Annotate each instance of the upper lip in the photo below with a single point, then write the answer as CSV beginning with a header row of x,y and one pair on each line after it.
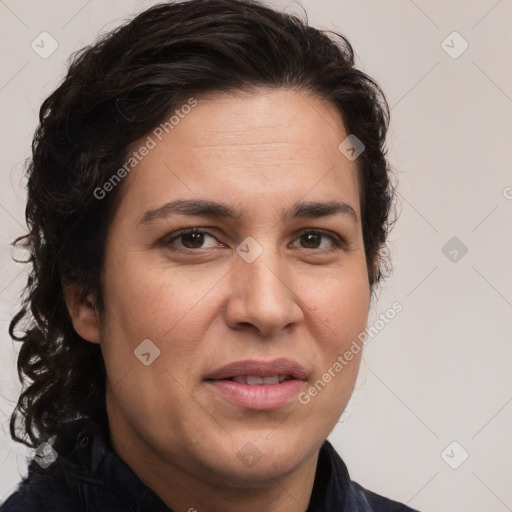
x,y
259,368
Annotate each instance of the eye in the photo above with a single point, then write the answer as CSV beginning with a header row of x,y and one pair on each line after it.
x,y
312,239
197,239
191,238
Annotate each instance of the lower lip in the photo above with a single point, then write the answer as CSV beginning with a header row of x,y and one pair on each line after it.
x,y
259,397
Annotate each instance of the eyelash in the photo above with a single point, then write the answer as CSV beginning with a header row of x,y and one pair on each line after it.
x,y
337,242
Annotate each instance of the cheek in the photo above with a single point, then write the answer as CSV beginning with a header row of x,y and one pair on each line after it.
x,y
153,298
172,307
339,315
341,304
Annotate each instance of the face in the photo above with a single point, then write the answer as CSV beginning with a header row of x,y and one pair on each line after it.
x,y
271,282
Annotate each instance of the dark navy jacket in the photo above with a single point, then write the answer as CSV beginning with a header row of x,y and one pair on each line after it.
x,y
88,476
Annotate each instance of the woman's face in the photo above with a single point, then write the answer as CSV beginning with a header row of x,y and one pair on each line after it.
x,y
274,283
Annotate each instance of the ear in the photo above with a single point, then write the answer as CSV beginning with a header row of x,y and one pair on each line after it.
x,y
82,311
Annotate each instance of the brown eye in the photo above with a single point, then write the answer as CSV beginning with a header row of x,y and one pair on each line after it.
x,y
318,240
311,241
190,239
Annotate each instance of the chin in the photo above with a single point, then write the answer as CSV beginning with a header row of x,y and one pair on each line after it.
x,y
263,473
257,459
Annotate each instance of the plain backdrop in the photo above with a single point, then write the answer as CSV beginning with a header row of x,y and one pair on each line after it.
x,y
435,384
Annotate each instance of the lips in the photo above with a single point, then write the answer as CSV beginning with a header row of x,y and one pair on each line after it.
x,y
258,385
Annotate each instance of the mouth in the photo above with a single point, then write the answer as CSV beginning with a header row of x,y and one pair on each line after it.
x,y
256,380
280,369
258,385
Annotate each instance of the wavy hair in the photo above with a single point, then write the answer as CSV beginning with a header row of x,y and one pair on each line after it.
x,y
117,91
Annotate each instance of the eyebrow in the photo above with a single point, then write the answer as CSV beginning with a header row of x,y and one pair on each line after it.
x,y
204,208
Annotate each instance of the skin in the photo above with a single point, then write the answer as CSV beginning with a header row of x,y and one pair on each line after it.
x,y
204,306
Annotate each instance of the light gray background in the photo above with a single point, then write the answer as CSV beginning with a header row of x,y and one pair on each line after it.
x,y
441,370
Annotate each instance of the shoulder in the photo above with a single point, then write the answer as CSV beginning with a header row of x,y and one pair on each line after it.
x,y
378,503
62,483
82,474
44,490
36,494
335,488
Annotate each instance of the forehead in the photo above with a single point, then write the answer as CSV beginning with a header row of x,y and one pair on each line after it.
x,y
257,149
283,122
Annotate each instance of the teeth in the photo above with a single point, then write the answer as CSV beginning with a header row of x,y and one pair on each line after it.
x,y
253,380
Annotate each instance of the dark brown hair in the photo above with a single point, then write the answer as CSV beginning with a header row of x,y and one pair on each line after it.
x,y
117,91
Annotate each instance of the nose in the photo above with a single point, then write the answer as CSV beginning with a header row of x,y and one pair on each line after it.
x,y
262,297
